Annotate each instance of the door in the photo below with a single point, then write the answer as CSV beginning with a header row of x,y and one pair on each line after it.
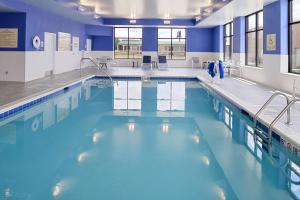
x,y
49,50
75,44
88,45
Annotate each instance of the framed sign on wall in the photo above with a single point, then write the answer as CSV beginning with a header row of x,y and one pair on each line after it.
x,y
8,38
64,41
271,42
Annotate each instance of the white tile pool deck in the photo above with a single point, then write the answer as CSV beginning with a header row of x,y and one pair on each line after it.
x,y
247,95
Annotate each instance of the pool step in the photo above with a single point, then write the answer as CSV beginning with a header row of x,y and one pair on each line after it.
x,y
261,134
146,79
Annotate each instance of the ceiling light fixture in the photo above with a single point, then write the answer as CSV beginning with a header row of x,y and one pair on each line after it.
x,y
81,8
167,22
96,16
132,21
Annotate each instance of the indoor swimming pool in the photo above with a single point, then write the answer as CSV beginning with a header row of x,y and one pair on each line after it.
x,y
160,139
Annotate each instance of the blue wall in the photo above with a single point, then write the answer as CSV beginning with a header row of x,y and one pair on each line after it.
x,y
14,20
99,30
199,40
39,21
217,42
276,21
102,43
239,31
150,39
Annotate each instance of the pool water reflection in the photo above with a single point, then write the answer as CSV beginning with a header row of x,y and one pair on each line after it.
x,y
161,140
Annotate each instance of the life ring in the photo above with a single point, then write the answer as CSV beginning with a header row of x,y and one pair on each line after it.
x,y
35,125
36,42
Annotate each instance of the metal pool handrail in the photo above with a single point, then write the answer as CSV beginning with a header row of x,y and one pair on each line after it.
x,y
97,65
268,102
281,167
286,109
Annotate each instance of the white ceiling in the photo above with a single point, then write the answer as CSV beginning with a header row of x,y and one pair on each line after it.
x,y
234,9
151,9
148,8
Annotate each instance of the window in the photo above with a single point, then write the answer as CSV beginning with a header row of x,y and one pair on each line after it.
x,y
254,39
228,41
128,42
294,36
172,43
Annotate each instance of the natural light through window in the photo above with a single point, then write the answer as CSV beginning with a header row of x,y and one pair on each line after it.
x,y
128,43
172,43
294,36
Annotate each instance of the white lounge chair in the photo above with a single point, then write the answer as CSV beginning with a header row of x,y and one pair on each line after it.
x,y
196,62
231,65
162,63
147,64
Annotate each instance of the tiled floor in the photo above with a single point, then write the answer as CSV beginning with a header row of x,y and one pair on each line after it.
x,y
248,95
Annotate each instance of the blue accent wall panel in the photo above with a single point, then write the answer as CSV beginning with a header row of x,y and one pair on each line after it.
x,y
150,39
199,39
15,20
218,39
39,21
239,31
102,43
99,30
276,22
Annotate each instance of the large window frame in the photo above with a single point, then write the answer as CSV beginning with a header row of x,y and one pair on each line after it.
x,y
171,38
257,30
291,25
128,38
226,36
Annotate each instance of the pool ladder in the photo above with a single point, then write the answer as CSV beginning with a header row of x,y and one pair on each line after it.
x,y
97,65
286,109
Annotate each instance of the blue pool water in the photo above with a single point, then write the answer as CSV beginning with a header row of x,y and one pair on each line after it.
x,y
167,139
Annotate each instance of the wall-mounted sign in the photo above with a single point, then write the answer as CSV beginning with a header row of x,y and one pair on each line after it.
x,y
271,42
64,41
8,38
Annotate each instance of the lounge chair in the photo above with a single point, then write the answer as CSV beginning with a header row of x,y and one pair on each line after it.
x,y
196,62
147,65
233,66
162,63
